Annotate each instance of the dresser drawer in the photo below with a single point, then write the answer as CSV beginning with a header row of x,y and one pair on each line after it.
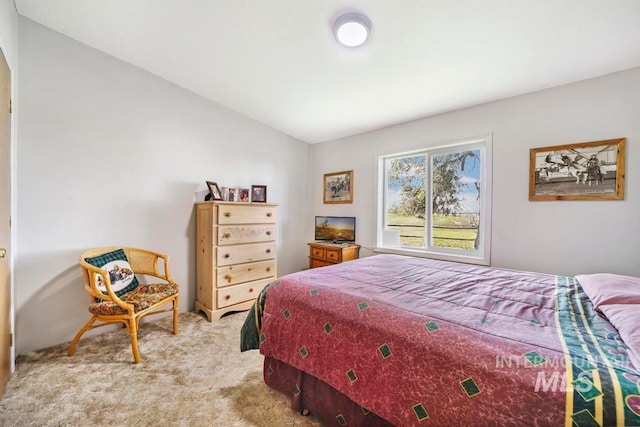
x,y
234,234
317,252
241,273
317,263
333,255
227,255
248,214
240,293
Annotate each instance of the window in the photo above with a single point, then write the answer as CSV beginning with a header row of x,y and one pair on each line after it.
x,y
436,202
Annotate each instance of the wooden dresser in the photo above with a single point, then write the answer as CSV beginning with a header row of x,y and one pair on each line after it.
x,y
322,254
236,255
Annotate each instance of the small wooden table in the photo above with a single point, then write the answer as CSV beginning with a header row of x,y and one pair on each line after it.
x,y
324,253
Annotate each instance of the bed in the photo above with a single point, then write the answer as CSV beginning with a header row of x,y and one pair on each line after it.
x,y
396,340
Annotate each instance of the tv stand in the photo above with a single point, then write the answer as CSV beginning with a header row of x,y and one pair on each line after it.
x,y
327,253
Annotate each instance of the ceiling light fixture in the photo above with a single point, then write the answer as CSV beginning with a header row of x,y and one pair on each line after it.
x,y
352,29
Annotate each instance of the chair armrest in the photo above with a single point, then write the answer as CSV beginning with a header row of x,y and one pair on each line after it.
x,y
91,273
147,262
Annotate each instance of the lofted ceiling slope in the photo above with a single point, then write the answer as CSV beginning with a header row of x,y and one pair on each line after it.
x,y
276,61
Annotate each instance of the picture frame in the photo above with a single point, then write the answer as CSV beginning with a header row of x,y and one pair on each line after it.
x,y
259,193
214,190
583,171
244,195
225,193
337,187
232,194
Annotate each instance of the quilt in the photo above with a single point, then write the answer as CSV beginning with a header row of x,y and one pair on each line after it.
x,y
425,342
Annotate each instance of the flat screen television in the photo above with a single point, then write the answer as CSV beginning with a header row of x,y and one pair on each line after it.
x,y
335,228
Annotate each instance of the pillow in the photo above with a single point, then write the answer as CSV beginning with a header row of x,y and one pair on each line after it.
x,y
626,319
606,288
121,274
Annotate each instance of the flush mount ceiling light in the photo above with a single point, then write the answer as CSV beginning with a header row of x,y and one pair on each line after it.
x,y
352,29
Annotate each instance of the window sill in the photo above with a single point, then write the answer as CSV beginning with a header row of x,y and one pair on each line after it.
x,y
433,255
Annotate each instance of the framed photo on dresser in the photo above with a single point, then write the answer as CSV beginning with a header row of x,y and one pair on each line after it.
x,y
259,193
243,195
214,190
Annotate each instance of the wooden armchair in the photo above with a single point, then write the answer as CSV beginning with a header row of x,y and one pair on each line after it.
x,y
128,305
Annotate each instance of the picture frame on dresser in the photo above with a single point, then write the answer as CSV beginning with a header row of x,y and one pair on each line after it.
x,y
225,193
259,193
243,195
232,195
214,190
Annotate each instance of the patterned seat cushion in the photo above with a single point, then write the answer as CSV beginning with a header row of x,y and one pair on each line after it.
x,y
142,297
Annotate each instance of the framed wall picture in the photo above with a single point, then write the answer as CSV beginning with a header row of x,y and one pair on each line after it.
x,y
338,187
583,171
214,190
259,193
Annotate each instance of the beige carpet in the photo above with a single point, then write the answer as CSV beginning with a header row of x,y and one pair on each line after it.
x,y
197,378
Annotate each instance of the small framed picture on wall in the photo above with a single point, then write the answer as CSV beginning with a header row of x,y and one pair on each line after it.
x,y
338,187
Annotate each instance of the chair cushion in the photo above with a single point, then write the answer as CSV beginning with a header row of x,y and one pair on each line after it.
x,y
142,297
121,274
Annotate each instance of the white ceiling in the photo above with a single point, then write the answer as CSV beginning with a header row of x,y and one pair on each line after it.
x,y
276,60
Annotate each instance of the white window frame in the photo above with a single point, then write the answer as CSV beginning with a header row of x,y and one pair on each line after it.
x,y
388,242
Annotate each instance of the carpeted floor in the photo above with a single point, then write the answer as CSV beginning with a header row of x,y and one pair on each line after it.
x,y
197,378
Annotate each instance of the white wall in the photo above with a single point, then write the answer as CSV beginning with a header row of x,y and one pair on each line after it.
x,y
561,237
110,154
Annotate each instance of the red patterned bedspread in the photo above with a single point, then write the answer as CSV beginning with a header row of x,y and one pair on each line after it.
x,y
420,341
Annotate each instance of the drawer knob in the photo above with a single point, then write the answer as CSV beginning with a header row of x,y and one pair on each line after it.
x,y
227,255
268,268
227,214
227,297
227,278
250,290
268,233
268,251
269,214
226,235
